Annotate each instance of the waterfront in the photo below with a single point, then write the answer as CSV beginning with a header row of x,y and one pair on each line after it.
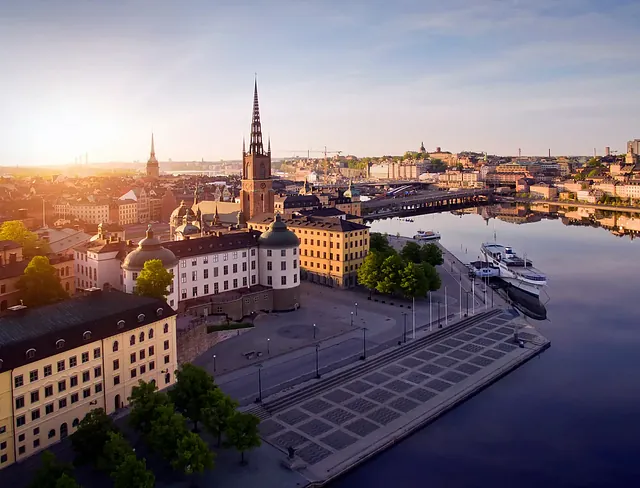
x,y
565,419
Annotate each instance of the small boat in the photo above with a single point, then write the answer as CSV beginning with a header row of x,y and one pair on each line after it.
x,y
427,235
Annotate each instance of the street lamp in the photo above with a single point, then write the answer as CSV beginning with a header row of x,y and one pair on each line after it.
x,y
351,319
259,399
364,344
214,363
404,331
317,363
268,348
356,309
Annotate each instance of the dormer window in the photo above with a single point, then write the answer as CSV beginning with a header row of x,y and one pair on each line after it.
x,y
31,353
59,343
159,312
121,324
141,317
86,336
0,364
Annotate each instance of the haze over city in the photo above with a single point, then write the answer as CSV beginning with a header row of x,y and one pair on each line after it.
x,y
364,78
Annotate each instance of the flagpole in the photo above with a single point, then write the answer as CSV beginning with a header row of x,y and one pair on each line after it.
x,y
460,301
473,297
430,313
446,307
413,309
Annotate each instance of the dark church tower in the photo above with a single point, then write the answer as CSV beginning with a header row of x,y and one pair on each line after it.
x,y
257,193
153,169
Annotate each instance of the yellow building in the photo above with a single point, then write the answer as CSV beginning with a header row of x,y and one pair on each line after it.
x,y
331,249
66,359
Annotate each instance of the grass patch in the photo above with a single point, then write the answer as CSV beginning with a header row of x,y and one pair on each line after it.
x,y
220,328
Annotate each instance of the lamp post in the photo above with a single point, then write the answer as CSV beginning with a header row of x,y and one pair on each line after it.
x,y
314,331
364,343
351,319
430,312
356,309
214,363
317,362
268,348
446,307
404,331
467,294
259,400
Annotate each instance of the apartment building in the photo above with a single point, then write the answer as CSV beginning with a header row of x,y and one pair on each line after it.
x,y
90,212
63,360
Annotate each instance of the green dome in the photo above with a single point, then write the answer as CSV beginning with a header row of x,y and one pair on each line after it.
x,y
278,236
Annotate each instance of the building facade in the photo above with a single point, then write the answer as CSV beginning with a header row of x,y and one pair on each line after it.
x,y
61,364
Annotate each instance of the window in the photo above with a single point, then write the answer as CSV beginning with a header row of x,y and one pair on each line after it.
x,y
215,272
183,264
96,353
31,353
33,375
134,373
59,343
116,364
166,328
52,434
295,263
244,281
73,362
75,423
20,421
183,295
244,266
48,409
253,279
235,268
166,359
150,333
295,251
295,278
205,274
194,291
141,339
215,258
283,252
166,345
225,256
62,403
194,276
183,277
269,266
132,340
35,414
143,369
21,450
48,391
86,393
167,378
19,402
269,281
235,254
268,253
62,385
225,270
116,380
142,354
85,357
35,396
86,336
133,357
98,387
226,285
235,282
216,288
283,280
47,370
36,431
115,346
152,365
151,350
283,265
73,381
253,252
206,289
205,260
86,376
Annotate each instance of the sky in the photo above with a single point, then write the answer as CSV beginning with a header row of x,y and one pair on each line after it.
x,y
96,78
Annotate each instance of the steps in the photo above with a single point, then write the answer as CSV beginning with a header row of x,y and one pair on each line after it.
x,y
283,402
258,410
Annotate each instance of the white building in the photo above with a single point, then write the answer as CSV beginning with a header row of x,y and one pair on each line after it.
x,y
90,212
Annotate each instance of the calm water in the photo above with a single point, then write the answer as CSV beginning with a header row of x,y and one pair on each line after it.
x,y
569,418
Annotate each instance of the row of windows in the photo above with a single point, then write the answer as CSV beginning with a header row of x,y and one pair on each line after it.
x,y
356,255
34,375
324,243
62,386
141,336
216,287
205,272
133,372
283,265
215,258
49,408
331,267
283,280
283,252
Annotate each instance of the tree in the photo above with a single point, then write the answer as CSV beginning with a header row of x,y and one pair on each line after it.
x,y
40,284
50,471
216,415
66,481
15,230
242,433
369,272
190,391
411,252
192,455
92,435
379,243
154,280
390,273
431,254
144,400
115,451
167,428
133,473
413,282
432,276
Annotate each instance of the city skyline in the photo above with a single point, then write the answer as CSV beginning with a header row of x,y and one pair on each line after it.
x,y
361,78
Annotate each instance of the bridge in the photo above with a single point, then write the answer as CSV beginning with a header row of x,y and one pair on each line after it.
x,y
427,202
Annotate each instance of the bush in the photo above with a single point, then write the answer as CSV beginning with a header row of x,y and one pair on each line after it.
x,y
220,328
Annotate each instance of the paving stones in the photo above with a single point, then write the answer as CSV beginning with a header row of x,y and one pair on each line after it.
x,y
472,348
379,395
505,330
425,355
465,337
338,440
439,348
414,377
421,395
506,347
430,369
316,406
358,386
458,354
493,354
483,341
403,404
475,331
446,362
496,336
394,370
377,378
481,361
315,427
467,368
453,376
452,342
438,385
398,386
338,396
361,427
293,416
383,416
313,453
289,439
338,416
410,362
269,427
360,405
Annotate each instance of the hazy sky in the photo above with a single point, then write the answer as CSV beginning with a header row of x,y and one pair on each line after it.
x,y
364,77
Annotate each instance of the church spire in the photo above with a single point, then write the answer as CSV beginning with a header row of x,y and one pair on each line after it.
x,y
153,149
269,145
244,147
256,147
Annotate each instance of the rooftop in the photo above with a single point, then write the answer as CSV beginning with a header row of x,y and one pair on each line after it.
x,y
8,245
213,243
328,223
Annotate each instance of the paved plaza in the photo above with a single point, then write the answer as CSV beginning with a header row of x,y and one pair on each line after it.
x,y
339,425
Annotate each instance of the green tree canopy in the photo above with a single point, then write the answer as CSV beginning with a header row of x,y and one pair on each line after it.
x,y
190,391
115,451
411,252
66,481
432,276
50,471
192,455
369,273
154,280
40,284
133,473
167,428
390,272
413,281
431,254
242,433
144,400
91,436
379,243
15,230
217,412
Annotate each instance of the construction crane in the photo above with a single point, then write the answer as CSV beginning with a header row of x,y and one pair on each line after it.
x,y
309,151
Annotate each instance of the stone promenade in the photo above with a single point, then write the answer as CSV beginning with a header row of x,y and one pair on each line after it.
x,y
351,414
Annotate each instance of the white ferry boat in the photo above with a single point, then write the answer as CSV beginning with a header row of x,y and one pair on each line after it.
x,y
427,235
514,270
